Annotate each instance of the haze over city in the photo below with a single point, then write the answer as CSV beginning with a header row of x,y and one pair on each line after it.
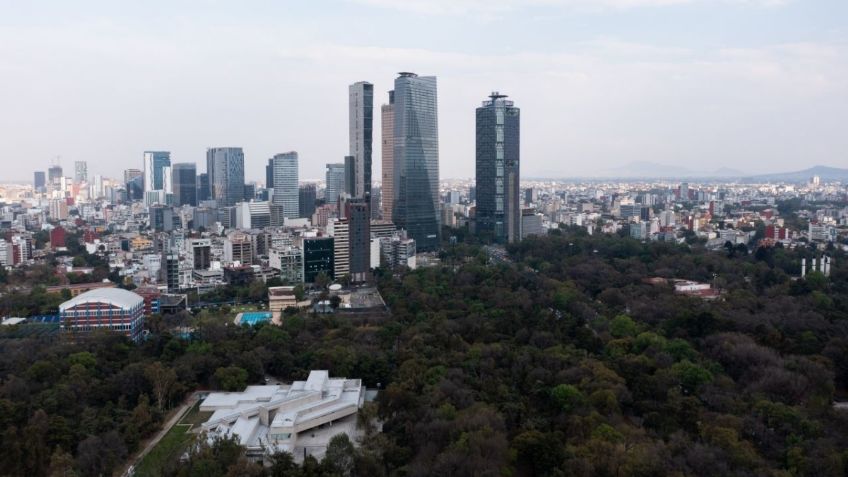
x,y
749,85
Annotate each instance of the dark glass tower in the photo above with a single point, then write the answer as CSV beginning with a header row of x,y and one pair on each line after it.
x,y
359,239
415,181
361,124
185,183
498,194
318,256
203,187
39,181
225,166
306,200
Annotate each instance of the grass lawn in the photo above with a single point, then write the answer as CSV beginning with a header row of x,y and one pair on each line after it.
x,y
194,417
173,444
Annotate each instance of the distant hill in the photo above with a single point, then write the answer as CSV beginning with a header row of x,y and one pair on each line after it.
x,y
826,173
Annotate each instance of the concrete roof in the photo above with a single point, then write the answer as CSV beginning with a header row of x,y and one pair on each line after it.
x,y
113,296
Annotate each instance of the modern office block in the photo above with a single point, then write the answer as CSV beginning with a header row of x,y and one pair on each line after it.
x,y
306,200
415,173
80,172
285,167
225,166
155,163
317,258
361,118
388,141
184,177
497,166
335,181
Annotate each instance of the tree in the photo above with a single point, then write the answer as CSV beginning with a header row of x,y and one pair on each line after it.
x,y
339,456
567,397
162,379
231,378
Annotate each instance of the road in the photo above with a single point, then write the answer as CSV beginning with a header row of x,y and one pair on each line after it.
x,y
172,421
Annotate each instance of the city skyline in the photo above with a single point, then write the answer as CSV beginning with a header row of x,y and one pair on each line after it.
x,y
684,82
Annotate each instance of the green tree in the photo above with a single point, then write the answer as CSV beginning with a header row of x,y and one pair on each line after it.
x,y
231,378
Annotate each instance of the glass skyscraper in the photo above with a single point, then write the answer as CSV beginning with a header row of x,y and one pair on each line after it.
x,y
361,118
415,173
286,192
185,183
80,172
39,181
306,200
335,179
388,143
225,166
498,195
155,163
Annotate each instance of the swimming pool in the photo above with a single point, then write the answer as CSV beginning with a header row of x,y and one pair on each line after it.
x,y
253,317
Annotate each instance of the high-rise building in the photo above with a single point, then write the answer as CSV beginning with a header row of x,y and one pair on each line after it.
x,y
306,200
134,181
54,174
225,166
184,175
155,163
498,195
317,258
361,118
388,141
350,175
358,218
80,172
335,183
203,187
285,184
39,181
269,174
415,175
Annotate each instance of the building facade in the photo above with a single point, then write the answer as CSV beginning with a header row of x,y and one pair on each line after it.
x,y
359,239
497,169
286,184
306,200
416,206
387,112
112,309
184,175
361,118
225,167
317,258
155,165
80,172
335,182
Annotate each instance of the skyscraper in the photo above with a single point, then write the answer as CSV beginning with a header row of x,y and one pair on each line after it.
x,y
361,118
350,175
498,194
285,183
225,166
388,141
54,174
306,200
335,182
155,163
80,172
269,174
134,181
38,181
185,183
415,173
203,187
359,239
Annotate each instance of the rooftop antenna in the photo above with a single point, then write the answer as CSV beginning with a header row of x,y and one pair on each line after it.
x,y
496,95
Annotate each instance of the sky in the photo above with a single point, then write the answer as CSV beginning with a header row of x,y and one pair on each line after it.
x,y
750,85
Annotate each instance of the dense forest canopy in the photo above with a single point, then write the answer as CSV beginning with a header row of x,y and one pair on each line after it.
x,y
564,362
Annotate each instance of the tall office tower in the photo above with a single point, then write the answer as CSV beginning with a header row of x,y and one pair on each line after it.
x,y
203,187
54,174
359,239
306,200
80,172
349,175
38,181
269,174
415,173
388,141
225,166
376,195
155,163
96,189
498,194
361,119
285,184
134,181
317,258
184,175
335,183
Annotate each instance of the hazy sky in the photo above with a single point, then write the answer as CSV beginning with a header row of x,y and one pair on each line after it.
x,y
756,85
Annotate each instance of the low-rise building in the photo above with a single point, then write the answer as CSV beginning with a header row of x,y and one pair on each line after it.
x,y
299,418
113,309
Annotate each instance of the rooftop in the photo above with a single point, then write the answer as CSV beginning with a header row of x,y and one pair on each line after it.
x,y
114,296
